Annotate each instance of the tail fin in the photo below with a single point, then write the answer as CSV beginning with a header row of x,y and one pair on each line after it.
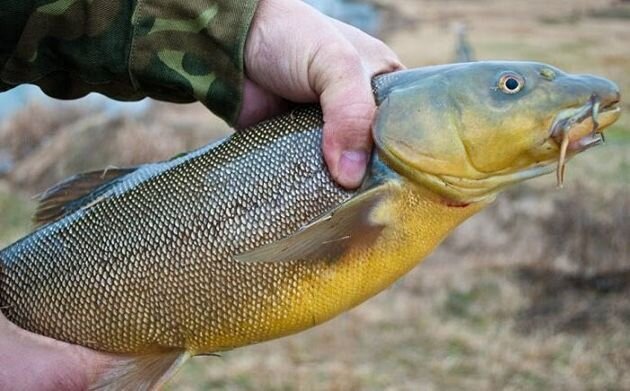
x,y
142,373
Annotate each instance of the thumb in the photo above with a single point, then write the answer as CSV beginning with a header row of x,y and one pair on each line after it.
x,y
348,106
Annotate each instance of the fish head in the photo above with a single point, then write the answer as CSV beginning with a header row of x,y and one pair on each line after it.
x,y
466,131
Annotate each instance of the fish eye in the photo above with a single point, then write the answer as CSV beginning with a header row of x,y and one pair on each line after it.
x,y
511,83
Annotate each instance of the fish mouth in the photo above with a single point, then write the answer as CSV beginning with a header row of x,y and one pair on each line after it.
x,y
578,129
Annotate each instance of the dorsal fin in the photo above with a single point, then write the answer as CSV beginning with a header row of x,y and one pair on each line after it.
x,y
54,201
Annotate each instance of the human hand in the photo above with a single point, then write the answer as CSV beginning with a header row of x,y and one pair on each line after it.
x,y
295,53
33,362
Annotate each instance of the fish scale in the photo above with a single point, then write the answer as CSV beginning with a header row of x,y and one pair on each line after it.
x,y
150,266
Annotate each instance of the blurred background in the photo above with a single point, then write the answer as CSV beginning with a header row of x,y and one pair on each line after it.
x,y
533,293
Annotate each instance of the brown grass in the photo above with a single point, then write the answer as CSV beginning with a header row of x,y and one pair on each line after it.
x,y
33,126
59,143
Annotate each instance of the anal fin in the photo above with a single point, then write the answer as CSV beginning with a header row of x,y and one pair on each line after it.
x,y
142,373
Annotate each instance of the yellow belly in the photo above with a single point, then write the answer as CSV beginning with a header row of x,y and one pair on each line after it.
x,y
307,293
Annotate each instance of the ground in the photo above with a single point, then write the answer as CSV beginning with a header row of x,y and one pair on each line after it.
x,y
530,294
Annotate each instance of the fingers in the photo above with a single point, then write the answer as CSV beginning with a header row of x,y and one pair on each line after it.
x,y
258,104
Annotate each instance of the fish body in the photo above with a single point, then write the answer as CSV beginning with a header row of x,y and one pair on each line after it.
x,y
167,277
250,239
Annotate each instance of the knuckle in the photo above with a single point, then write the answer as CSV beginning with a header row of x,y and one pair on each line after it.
x,y
335,66
381,47
391,64
342,55
387,60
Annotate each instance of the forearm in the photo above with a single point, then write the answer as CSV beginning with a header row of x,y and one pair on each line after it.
x,y
173,50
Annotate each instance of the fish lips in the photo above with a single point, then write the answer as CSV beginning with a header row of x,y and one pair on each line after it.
x,y
583,126
577,129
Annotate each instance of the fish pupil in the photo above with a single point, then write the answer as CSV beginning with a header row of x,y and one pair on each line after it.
x,y
511,84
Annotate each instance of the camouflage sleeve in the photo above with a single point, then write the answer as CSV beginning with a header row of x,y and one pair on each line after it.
x,y
175,50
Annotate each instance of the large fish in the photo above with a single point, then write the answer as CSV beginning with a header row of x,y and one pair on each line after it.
x,y
250,239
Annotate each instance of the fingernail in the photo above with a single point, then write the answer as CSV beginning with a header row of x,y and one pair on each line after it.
x,y
352,166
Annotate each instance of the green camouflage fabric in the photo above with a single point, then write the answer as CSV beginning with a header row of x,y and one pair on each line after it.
x,y
174,50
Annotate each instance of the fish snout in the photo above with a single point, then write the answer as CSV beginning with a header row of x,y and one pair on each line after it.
x,y
578,89
605,90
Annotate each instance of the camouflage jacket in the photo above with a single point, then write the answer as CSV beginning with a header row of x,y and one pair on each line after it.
x,y
175,50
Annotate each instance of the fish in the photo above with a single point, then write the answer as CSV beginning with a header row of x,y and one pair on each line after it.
x,y
250,239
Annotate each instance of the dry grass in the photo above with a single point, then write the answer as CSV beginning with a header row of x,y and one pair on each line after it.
x,y
32,127
60,143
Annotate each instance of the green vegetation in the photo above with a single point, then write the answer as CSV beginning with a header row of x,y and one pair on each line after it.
x,y
614,12
15,212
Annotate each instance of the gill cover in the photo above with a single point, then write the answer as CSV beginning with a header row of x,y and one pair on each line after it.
x,y
416,124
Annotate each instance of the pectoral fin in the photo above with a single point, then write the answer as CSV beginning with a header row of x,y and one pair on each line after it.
x,y
350,225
